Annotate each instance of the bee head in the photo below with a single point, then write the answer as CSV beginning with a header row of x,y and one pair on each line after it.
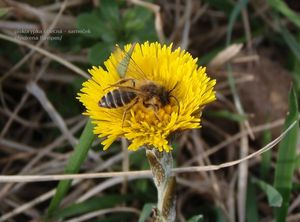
x,y
166,95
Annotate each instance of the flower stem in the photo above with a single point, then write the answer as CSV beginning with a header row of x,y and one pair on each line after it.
x,y
161,164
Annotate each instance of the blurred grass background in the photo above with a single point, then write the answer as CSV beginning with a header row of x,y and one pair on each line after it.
x,y
252,48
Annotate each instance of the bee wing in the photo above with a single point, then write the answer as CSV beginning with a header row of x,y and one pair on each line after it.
x,y
132,89
125,63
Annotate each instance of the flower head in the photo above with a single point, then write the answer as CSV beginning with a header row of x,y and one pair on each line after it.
x,y
148,119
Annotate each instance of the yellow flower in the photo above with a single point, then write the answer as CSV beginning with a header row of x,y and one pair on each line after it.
x,y
176,70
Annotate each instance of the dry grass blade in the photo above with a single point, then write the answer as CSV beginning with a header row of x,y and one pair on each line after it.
x,y
13,115
48,54
40,42
125,164
58,5
225,56
158,21
35,90
27,206
16,146
232,163
236,137
109,183
106,165
293,218
242,176
187,25
246,59
98,213
39,178
23,99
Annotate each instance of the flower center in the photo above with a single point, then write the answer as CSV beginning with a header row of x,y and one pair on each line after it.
x,y
150,116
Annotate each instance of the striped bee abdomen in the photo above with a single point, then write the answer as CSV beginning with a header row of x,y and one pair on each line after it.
x,y
117,98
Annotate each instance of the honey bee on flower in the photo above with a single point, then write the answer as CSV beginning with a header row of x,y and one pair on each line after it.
x,y
162,91
148,93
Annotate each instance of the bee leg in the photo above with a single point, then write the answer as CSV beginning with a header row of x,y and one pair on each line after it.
x,y
157,116
127,109
121,81
154,107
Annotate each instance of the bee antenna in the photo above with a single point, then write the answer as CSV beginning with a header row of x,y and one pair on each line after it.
x,y
178,110
173,87
171,96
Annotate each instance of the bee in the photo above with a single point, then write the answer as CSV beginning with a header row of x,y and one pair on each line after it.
x,y
149,93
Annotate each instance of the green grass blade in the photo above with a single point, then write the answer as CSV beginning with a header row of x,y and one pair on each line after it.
x,y
283,8
274,197
251,209
291,41
93,204
4,11
225,114
286,159
233,17
220,217
296,64
73,166
197,218
146,212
